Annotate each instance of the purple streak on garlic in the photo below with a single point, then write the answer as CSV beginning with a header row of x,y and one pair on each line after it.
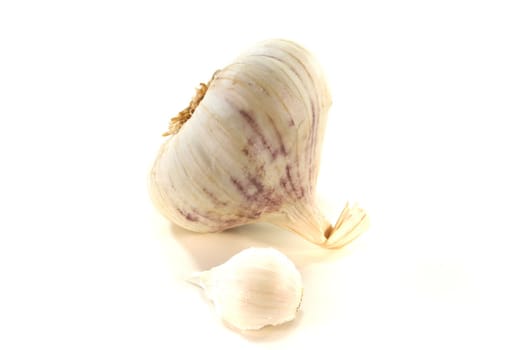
x,y
248,147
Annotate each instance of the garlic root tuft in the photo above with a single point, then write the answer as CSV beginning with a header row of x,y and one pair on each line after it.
x,y
177,122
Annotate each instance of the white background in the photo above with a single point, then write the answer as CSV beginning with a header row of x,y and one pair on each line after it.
x,y
426,132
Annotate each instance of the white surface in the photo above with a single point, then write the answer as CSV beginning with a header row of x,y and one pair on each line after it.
x,y
426,132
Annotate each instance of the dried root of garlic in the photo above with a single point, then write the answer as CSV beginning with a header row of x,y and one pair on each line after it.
x,y
255,288
247,149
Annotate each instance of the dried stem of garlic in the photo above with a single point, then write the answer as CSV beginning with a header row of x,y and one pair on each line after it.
x,y
248,147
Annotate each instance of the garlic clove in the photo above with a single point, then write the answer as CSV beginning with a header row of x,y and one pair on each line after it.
x,y
255,288
247,149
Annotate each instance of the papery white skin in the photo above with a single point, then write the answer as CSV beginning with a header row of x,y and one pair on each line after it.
x,y
251,150
255,288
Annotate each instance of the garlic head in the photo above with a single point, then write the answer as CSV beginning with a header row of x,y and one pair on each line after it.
x,y
248,148
255,288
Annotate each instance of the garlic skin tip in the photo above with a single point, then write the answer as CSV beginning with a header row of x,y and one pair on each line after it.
x,y
352,222
255,288
198,279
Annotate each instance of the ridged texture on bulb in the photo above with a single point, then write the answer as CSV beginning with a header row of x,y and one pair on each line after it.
x,y
249,147
255,288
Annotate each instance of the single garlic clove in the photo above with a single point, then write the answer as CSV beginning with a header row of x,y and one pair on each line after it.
x,y
247,149
255,288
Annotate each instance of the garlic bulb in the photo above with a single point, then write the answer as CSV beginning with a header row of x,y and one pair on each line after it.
x,y
248,147
255,288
